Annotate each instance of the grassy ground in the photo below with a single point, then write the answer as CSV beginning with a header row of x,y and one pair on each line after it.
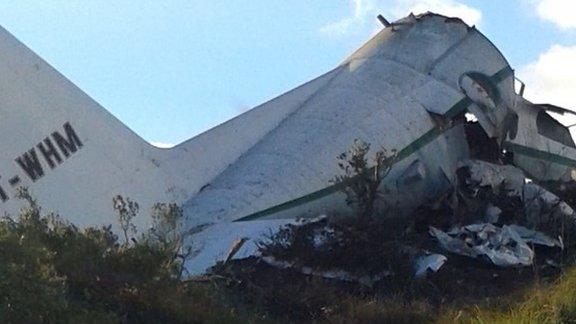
x,y
62,274
516,297
464,290
53,272
540,303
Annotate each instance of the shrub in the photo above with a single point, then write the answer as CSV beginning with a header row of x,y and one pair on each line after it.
x,y
51,271
361,180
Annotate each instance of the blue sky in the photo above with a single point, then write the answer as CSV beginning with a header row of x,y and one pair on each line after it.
x,y
172,69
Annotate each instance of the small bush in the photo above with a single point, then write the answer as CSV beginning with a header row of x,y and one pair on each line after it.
x,y
369,247
361,180
51,271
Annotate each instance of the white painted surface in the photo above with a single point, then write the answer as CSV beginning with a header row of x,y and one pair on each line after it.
x,y
386,94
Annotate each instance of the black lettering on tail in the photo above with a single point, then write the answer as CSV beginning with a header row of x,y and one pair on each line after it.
x,y
69,144
31,165
3,195
49,152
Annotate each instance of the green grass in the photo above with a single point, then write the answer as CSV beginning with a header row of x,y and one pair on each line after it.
x,y
542,303
53,272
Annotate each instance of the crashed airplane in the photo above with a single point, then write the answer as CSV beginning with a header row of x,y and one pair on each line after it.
x,y
409,89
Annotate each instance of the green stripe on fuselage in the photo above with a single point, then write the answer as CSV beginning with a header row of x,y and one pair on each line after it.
x,y
411,148
537,154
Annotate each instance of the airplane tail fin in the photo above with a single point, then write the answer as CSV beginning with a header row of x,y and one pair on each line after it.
x,y
75,157
70,152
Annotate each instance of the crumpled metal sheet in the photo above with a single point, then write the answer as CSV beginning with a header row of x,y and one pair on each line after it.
x,y
335,274
535,237
541,207
504,246
505,177
432,262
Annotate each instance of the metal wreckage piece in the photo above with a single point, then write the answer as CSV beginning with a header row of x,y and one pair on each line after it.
x,y
506,245
408,89
442,96
411,89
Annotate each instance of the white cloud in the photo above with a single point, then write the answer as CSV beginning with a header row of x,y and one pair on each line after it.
x,y
364,12
451,8
162,145
552,77
361,9
560,12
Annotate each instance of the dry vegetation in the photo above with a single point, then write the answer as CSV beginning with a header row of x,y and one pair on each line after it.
x,y
53,272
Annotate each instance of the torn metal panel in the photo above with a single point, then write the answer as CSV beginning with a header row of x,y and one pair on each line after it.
x,y
536,237
492,214
541,207
544,207
432,262
504,246
497,177
542,147
437,97
335,274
